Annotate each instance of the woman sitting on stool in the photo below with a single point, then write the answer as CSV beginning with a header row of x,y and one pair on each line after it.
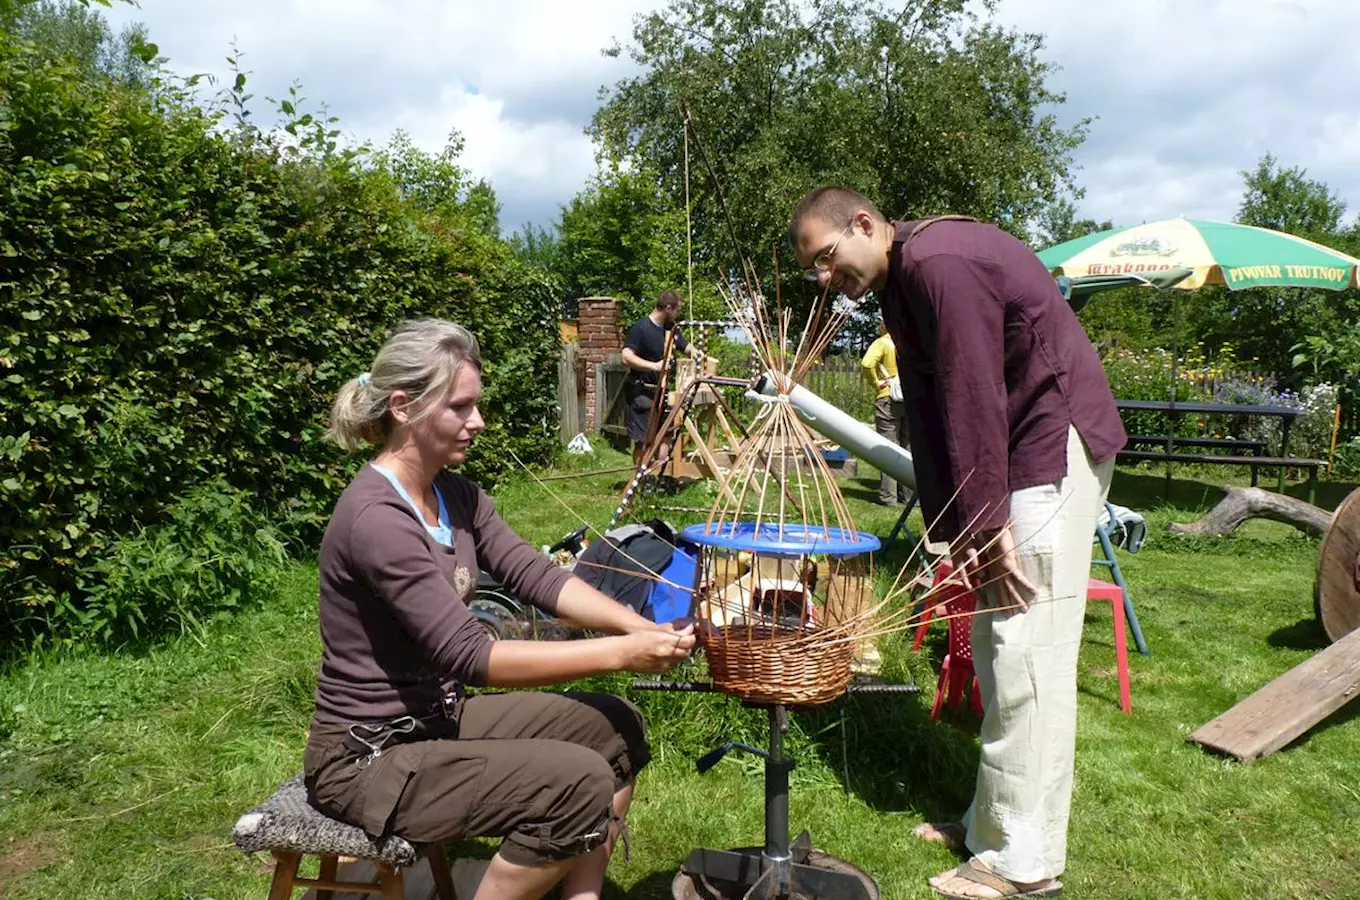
x,y
395,746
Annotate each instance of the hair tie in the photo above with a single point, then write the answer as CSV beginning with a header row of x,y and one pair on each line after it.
x,y
365,379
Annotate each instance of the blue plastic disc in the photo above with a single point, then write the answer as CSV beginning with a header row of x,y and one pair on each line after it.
x,y
785,540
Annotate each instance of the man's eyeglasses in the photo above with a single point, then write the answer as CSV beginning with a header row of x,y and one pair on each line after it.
x,y
822,261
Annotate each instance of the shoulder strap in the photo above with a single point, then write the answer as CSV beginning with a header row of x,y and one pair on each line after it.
x,y
926,223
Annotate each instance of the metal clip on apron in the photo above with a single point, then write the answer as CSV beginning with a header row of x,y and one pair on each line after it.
x,y
375,738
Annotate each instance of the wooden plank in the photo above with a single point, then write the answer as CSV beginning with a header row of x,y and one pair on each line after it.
x,y
1259,461
1246,443
567,393
1290,705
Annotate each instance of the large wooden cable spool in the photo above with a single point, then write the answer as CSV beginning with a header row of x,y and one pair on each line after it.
x,y
1336,593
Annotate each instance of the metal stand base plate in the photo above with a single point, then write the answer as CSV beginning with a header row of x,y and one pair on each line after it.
x,y
742,874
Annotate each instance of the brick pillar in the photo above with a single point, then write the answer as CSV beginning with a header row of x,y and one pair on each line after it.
x,y
601,336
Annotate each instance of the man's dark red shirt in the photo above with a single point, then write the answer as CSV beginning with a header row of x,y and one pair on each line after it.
x,y
994,366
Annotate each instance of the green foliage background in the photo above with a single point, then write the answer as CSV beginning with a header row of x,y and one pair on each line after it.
x,y
183,294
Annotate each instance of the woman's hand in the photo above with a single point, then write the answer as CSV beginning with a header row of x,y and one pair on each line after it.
x,y
658,649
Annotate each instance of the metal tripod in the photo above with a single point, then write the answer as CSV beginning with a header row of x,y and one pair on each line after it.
x,y
780,869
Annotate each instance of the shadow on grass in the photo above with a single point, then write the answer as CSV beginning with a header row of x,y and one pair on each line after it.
x,y
656,886
1201,487
1144,489
1305,634
859,491
893,757
1343,716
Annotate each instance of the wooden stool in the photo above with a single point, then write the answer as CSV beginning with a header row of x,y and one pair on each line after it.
x,y
289,827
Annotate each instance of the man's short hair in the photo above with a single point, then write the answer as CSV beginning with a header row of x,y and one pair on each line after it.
x,y
669,299
832,205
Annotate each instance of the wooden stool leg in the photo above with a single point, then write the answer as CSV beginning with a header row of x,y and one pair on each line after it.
x,y
329,864
285,870
392,883
439,868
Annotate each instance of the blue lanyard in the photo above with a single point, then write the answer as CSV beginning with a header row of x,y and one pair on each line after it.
x,y
442,533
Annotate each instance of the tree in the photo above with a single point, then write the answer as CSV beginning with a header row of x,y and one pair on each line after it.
x,y
1285,199
539,247
1293,333
623,237
435,184
1059,223
925,109
183,296
71,31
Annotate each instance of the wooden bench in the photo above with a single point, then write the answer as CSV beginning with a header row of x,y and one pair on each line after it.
x,y
1172,409
1253,446
1251,462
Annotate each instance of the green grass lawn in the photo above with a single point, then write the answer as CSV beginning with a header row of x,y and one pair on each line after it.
x,y
121,774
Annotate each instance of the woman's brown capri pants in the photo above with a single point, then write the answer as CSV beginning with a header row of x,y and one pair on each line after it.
x,y
538,769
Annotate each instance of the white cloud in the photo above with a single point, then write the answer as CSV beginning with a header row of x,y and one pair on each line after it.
x,y
518,79
1190,93
1186,93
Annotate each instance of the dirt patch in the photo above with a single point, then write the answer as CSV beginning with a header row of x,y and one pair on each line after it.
x,y
20,856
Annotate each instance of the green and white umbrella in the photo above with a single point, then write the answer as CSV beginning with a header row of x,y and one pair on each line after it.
x,y
1238,256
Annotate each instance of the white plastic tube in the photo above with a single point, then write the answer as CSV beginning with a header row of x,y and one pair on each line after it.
x,y
849,432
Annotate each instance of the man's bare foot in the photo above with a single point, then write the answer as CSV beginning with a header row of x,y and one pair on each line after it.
x,y
951,834
974,881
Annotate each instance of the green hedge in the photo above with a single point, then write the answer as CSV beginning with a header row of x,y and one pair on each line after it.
x,y
181,302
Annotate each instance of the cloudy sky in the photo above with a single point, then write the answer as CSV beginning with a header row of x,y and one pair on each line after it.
x,y
1187,92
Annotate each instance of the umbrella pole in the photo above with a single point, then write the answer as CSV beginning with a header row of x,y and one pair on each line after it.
x,y
1171,413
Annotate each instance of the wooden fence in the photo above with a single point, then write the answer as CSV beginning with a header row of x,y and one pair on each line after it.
x,y
836,380
839,381
571,392
611,406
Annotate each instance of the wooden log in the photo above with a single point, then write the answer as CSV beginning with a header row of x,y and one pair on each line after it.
x,y
1336,590
1280,712
1240,504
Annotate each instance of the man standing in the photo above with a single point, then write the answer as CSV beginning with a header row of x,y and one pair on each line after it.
x,y
644,352
1011,416
879,366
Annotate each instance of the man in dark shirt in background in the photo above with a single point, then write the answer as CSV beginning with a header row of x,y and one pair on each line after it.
x,y
644,351
1013,432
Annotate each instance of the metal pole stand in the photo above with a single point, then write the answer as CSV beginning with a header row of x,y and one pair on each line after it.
x,y
779,870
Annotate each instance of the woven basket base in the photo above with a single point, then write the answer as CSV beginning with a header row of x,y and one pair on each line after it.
x,y
761,664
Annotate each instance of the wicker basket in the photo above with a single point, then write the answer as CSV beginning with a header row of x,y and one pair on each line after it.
x,y
763,664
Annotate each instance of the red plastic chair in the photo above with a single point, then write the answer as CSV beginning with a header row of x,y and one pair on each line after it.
x,y
1103,590
958,682
957,673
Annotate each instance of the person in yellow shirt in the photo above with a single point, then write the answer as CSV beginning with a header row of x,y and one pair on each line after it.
x,y
879,366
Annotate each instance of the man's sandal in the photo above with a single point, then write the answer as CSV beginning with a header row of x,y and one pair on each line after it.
x,y
1004,887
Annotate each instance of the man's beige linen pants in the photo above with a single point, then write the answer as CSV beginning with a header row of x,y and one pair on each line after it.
x,y
1026,666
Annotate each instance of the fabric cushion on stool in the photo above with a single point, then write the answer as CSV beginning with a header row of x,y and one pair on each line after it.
x,y
288,822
